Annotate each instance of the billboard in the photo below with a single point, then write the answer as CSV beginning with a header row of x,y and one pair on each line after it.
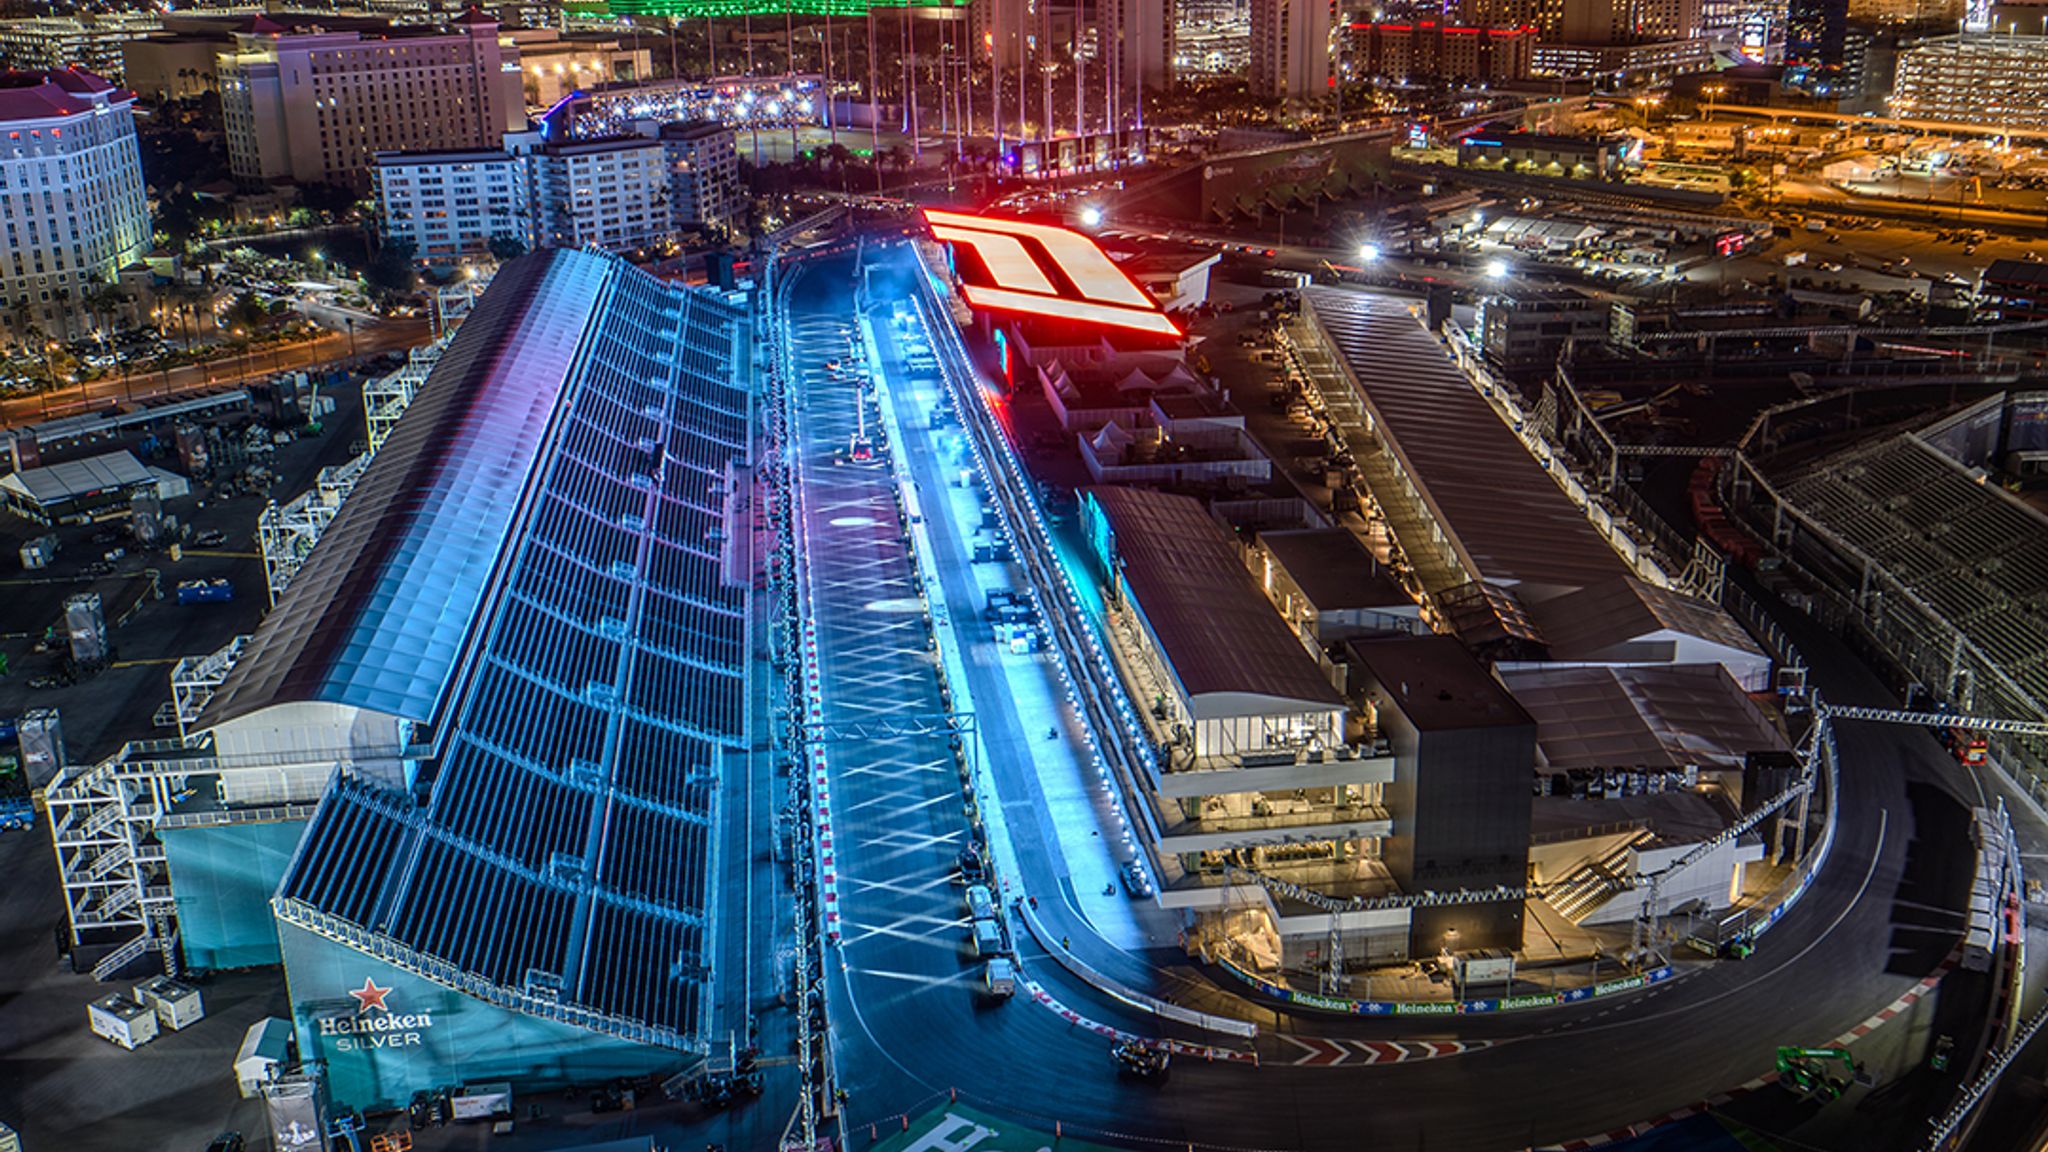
x,y
383,1033
1044,270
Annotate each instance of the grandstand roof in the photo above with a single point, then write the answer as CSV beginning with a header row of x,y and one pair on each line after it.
x,y
1508,520
562,859
1585,624
377,617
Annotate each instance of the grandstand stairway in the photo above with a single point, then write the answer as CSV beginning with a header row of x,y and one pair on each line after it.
x,y
1587,887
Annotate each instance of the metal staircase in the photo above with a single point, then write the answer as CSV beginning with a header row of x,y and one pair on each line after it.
x,y
111,964
1584,889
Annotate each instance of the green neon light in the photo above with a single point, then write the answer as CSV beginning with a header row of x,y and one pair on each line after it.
x,y
700,9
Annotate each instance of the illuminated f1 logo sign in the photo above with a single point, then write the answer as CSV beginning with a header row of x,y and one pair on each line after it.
x,y
1048,271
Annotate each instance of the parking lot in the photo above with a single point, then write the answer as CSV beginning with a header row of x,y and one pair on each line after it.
x,y
139,590
61,1087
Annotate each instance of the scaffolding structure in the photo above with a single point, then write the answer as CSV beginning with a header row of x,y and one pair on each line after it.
x,y
110,863
104,818
194,680
286,533
385,397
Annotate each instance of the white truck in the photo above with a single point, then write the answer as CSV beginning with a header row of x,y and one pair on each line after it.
x,y
1000,977
988,938
981,904
1794,259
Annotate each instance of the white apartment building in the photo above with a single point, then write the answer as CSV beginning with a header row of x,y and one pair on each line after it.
x,y
1975,79
71,194
620,193
612,193
1290,49
704,174
317,107
92,41
451,205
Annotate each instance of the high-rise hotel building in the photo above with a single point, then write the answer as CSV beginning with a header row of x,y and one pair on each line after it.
x,y
71,195
316,107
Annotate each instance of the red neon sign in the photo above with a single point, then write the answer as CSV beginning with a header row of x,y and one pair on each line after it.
x,y
1018,261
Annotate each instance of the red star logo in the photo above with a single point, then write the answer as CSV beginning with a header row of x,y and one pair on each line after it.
x,y
370,996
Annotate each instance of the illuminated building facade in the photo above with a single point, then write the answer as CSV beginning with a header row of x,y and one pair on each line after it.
x,y
1650,62
1212,37
71,192
1403,51
316,107
552,64
92,41
1975,79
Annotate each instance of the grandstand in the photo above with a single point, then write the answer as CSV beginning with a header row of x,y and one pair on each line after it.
x,y
1958,568
513,672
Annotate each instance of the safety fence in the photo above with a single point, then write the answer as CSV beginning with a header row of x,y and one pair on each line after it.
x,y
1349,1006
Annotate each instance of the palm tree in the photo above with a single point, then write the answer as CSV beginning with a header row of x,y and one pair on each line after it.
x,y
19,315
102,301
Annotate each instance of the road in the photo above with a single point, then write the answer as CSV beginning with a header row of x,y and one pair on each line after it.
x,y
328,348
906,1026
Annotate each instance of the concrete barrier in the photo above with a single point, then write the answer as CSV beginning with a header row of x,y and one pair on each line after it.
x,y
1109,986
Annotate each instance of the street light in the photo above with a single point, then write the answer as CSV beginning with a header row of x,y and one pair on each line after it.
x,y
1091,217
1495,269
1367,253
50,368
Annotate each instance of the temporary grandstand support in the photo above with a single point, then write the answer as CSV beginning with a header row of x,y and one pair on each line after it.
x,y
286,533
109,864
453,303
194,679
385,397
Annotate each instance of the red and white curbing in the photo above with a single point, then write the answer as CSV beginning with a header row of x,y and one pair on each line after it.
x,y
1870,1024
1325,1052
1177,1047
821,793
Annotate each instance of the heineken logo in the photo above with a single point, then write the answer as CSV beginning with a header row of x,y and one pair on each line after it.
x,y
373,1024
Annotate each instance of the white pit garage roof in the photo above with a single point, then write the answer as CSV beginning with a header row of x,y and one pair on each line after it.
x,y
77,478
